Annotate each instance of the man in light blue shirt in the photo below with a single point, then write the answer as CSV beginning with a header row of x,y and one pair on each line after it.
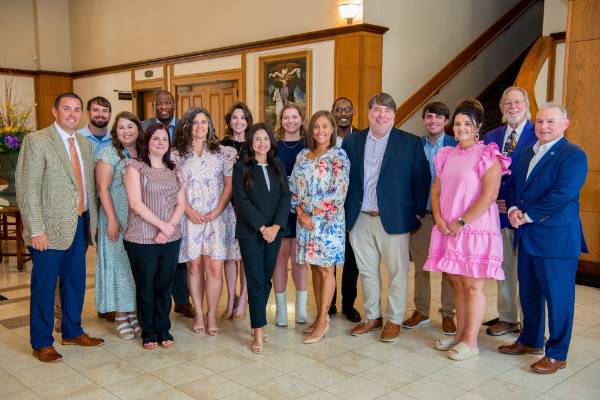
x,y
435,118
96,131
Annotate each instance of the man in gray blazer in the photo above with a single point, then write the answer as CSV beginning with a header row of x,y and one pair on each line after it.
x,y
57,198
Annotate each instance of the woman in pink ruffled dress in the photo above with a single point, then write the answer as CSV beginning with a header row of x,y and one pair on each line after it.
x,y
466,241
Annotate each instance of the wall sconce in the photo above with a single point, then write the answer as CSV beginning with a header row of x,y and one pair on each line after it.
x,y
348,10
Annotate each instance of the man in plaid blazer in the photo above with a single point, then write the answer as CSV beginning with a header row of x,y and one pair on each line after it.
x,y
57,199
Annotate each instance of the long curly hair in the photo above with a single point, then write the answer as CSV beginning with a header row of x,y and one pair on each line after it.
x,y
115,139
249,157
182,139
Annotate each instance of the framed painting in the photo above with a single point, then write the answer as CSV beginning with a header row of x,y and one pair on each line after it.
x,y
283,78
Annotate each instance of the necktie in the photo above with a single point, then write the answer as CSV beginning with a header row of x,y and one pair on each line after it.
x,y
77,170
511,143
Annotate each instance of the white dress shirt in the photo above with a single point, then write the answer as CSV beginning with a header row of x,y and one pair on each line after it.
x,y
65,138
539,151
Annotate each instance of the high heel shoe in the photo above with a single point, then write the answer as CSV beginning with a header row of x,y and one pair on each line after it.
x,y
317,339
212,331
199,329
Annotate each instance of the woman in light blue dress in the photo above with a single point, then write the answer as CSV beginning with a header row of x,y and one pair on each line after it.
x,y
319,184
115,288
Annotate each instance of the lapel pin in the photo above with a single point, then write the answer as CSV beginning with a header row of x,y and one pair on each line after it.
x,y
551,153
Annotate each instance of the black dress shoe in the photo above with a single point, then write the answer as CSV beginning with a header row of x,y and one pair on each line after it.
x,y
352,314
332,310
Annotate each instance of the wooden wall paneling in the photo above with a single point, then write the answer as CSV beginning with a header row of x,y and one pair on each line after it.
x,y
586,14
46,88
371,71
582,83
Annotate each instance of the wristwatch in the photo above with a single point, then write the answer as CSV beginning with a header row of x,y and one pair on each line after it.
x,y
461,221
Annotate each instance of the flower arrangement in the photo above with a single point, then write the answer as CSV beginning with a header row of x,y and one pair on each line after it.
x,y
14,120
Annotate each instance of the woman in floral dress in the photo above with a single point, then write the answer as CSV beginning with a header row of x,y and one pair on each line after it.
x,y
319,183
115,288
208,227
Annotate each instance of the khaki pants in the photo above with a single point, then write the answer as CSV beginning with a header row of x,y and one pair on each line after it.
x,y
508,289
419,248
372,245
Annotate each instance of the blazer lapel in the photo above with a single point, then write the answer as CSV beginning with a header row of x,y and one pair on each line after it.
x,y
389,150
545,159
362,140
60,149
526,137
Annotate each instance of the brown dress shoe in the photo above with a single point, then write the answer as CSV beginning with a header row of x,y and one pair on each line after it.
x,y
187,310
448,327
416,320
517,349
366,326
390,332
47,354
83,340
548,365
502,328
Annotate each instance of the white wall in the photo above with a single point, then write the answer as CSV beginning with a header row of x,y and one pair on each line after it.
x,y
555,16
490,63
54,35
104,85
23,91
17,39
322,89
209,65
425,35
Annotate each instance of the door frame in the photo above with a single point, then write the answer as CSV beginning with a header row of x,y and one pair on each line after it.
x,y
209,77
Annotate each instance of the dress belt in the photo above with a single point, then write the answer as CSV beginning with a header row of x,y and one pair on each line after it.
x,y
371,213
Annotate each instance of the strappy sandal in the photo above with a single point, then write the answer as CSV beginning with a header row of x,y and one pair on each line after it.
x,y
167,344
124,329
198,329
461,352
133,322
258,348
445,344
265,336
212,331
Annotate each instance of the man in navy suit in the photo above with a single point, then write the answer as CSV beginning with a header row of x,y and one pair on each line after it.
x,y
517,133
387,194
543,200
435,118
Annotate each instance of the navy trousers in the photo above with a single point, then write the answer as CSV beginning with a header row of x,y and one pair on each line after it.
x,y
180,292
68,267
259,262
551,282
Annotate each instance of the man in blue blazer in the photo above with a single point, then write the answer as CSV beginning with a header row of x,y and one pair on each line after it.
x,y
387,194
543,200
511,138
435,118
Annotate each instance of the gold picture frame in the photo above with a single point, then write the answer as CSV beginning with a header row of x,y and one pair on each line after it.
x,y
284,78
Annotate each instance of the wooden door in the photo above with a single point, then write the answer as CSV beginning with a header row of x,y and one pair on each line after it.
x,y
215,96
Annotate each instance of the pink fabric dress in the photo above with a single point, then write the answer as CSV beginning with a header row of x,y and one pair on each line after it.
x,y
476,251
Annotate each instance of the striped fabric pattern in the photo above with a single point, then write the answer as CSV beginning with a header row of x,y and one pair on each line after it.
x,y
160,187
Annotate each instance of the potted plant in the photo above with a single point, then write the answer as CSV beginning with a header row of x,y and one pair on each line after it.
x,y
14,125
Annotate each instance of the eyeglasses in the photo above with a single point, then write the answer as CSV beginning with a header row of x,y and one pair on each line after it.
x,y
512,103
339,110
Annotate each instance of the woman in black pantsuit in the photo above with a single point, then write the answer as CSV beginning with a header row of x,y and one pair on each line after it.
x,y
262,200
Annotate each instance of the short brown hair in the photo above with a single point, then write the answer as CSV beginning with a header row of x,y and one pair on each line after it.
x,y
310,139
382,99
99,100
436,107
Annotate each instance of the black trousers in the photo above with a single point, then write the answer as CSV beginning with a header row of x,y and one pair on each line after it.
x,y
153,267
349,278
259,262
180,292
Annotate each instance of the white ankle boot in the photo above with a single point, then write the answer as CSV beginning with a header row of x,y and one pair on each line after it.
x,y
301,316
281,309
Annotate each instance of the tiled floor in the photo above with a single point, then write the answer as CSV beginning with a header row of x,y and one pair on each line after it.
x,y
340,367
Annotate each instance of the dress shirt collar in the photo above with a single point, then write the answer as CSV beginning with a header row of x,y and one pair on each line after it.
x,y
537,147
371,136
438,143
63,134
170,124
518,129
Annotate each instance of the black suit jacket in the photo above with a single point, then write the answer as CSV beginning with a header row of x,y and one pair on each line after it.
x,y
259,206
403,184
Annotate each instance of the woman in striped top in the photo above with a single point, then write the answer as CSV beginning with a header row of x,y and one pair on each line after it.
x,y
156,203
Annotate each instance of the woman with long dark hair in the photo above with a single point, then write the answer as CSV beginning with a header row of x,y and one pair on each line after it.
x,y
262,198
237,122
156,203
208,228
